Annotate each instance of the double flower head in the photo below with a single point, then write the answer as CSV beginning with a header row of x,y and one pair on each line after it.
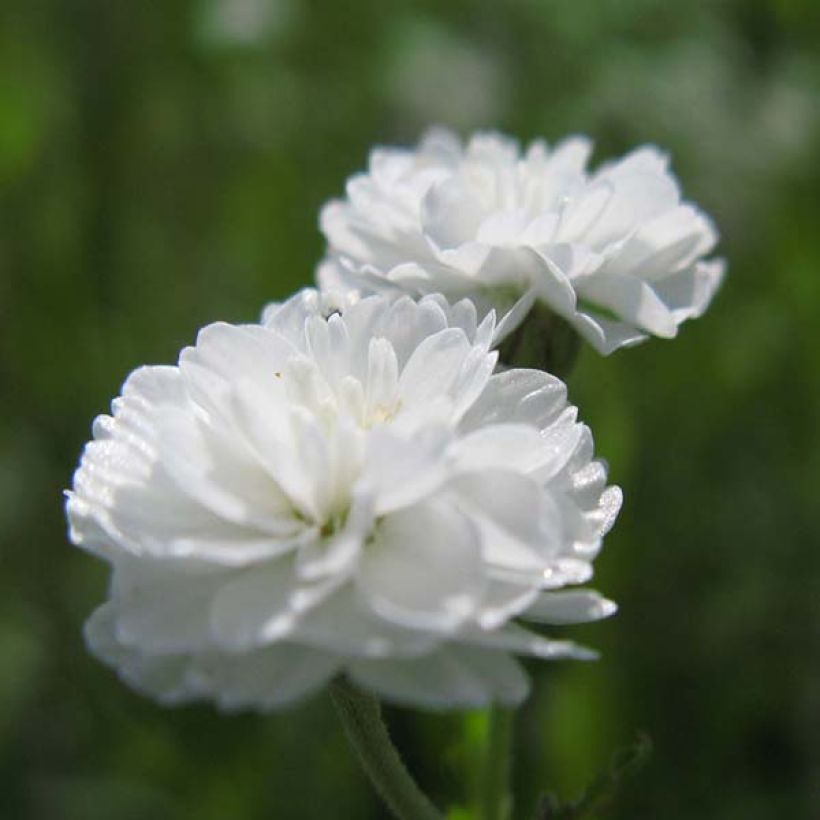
x,y
353,485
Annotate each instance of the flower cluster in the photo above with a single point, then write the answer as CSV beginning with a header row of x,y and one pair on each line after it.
x,y
615,252
351,485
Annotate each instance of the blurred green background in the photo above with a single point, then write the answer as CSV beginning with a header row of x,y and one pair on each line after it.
x,y
161,167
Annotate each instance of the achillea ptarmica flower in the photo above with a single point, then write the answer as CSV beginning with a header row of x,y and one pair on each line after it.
x,y
614,251
344,488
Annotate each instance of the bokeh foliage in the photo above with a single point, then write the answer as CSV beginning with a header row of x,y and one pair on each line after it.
x,y
161,166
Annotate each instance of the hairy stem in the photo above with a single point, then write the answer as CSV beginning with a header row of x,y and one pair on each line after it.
x,y
543,341
361,717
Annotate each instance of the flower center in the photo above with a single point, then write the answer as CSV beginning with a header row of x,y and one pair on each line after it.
x,y
381,414
334,523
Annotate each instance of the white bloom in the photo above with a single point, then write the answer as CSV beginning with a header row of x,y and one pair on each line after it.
x,y
614,251
340,492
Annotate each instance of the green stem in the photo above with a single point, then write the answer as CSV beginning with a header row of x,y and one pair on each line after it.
x,y
361,717
543,341
496,801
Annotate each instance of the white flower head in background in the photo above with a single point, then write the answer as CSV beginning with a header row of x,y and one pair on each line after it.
x,y
344,488
614,251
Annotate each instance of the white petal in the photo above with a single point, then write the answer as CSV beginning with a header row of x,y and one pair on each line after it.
x,y
540,230
407,323
462,264
504,228
521,396
160,607
635,198
219,478
154,386
159,676
463,314
441,144
569,607
688,293
559,442
646,159
331,276
609,505
503,601
666,244
288,318
452,678
433,367
513,638
269,678
553,284
345,625
154,518
571,154
520,524
518,447
254,608
382,378
328,343
269,427
432,582
606,335
632,300
583,211
476,370
221,347
451,214
401,470
502,675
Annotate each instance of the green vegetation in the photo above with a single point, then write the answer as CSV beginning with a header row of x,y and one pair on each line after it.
x,y
162,166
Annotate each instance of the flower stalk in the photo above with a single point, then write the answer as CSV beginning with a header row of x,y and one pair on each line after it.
x,y
496,798
544,341
361,717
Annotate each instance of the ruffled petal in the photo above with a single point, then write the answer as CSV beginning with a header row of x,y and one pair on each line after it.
x,y
569,607
454,677
434,582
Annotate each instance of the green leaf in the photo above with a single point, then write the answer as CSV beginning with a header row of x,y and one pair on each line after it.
x,y
602,793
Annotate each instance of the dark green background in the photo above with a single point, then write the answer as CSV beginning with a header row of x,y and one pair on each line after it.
x,y
161,166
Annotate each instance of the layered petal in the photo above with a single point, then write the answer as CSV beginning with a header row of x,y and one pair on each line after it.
x,y
346,487
615,251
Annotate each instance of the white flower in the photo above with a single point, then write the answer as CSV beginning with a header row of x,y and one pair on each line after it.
x,y
330,493
614,251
